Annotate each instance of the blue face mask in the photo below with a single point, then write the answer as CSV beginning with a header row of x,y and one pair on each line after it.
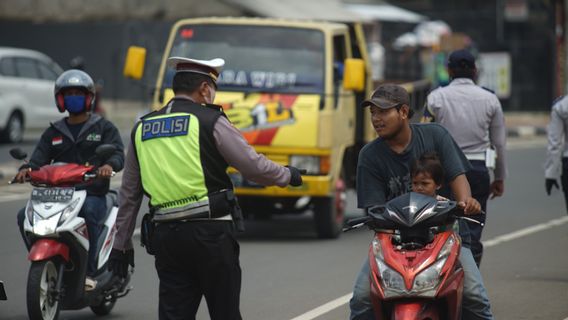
x,y
74,104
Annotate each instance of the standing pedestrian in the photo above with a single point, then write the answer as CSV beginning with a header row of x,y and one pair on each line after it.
x,y
474,117
557,153
383,173
179,157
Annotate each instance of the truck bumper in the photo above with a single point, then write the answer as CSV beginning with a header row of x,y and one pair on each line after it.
x,y
314,186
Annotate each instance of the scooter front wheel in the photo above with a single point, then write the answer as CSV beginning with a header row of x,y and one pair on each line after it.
x,y
41,295
104,307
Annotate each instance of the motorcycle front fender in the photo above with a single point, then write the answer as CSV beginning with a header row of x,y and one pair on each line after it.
x,y
44,249
418,310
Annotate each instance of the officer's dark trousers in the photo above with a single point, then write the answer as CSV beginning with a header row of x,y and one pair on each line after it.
x,y
564,180
478,178
195,259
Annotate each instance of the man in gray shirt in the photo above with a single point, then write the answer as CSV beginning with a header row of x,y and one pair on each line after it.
x,y
557,154
474,118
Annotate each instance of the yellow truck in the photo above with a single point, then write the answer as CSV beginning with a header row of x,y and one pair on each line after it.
x,y
293,88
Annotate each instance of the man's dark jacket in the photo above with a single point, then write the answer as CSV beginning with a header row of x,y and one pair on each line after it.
x,y
58,145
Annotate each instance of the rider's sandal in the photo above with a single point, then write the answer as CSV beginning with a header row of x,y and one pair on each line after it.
x,y
90,284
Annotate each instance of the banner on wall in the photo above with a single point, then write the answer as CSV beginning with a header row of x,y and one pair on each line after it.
x,y
495,72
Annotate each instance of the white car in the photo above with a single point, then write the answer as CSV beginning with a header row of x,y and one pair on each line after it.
x,y
27,79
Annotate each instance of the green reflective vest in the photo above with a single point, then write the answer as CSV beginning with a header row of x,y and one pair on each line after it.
x,y
179,162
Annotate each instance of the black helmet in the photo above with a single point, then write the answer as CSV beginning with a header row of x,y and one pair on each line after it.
x,y
75,79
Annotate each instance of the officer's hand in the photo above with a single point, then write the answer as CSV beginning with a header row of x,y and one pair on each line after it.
x,y
497,188
21,176
295,176
470,206
104,171
119,260
549,183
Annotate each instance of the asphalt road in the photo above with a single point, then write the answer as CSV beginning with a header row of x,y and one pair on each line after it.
x,y
287,272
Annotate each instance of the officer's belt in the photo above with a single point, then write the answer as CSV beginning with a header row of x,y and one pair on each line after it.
x,y
475,156
214,206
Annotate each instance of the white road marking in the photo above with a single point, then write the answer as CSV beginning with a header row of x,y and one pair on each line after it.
x,y
323,309
334,304
525,232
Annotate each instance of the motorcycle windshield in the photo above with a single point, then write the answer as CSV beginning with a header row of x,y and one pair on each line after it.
x,y
413,210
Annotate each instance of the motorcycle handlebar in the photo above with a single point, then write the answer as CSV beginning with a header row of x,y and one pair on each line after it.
x,y
94,175
356,223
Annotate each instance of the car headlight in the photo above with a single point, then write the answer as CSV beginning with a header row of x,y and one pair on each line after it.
x,y
65,213
310,163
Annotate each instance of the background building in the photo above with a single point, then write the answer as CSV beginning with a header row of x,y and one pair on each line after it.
x,y
530,32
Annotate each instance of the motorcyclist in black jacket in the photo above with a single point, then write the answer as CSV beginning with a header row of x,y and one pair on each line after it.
x,y
74,139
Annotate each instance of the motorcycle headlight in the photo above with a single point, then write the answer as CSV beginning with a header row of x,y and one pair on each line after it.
x,y
65,213
447,248
377,249
30,213
310,163
426,281
393,283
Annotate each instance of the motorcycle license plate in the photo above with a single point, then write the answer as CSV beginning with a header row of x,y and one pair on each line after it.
x,y
52,194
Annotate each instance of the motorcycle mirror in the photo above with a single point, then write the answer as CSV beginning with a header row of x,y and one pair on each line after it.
x,y
105,150
18,153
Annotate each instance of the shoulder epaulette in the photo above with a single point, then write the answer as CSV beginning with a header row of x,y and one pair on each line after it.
x,y
487,89
557,99
211,106
149,114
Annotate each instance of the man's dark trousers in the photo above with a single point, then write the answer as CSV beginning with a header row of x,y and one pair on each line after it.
x,y
479,182
195,259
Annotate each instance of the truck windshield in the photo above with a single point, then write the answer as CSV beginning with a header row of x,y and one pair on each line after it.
x,y
257,58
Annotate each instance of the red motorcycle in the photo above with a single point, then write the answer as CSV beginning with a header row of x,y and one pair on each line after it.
x,y
415,271
60,242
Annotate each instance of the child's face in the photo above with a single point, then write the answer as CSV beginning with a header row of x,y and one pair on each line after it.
x,y
423,183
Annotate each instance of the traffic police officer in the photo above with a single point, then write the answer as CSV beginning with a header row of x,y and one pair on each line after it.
x,y
557,154
179,156
474,117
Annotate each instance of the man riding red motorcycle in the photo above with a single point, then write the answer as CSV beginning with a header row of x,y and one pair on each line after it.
x,y
383,174
74,139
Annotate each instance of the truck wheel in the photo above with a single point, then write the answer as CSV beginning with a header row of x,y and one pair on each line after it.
x,y
329,212
42,299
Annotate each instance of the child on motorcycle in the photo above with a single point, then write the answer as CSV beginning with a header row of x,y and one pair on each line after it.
x,y
74,139
427,175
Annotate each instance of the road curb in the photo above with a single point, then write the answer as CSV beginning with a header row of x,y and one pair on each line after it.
x,y
525,131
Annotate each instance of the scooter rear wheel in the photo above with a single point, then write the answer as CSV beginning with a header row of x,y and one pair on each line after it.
x,y
41,296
